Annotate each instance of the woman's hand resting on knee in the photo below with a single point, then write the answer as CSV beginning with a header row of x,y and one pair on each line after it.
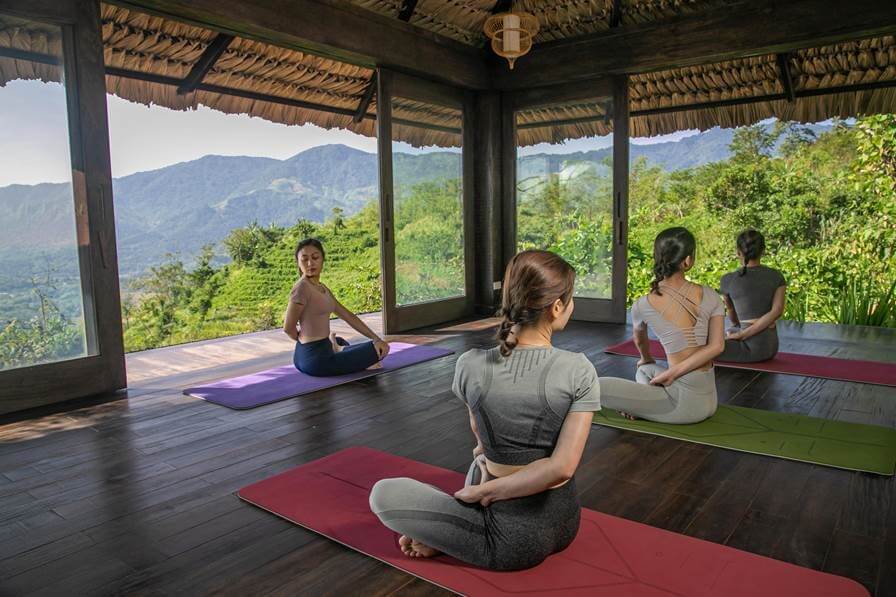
x,y
381,347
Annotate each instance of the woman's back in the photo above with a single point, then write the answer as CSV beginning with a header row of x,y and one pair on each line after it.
x,y
520,402
679,317
752,290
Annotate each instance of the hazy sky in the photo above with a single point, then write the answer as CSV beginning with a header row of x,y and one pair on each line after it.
x,y
34,143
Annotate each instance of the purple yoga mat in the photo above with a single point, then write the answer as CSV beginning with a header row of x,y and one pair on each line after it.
x,y
285,382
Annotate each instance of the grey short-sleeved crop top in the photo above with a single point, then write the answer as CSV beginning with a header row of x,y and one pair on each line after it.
x,y
752,293
520,402
673,338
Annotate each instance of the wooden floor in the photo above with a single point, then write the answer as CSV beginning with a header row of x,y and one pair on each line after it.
x,y
137,496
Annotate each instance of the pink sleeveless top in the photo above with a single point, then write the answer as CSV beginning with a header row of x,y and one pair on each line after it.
x,y
315,320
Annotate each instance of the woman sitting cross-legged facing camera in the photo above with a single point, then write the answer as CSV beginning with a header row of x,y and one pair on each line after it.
x,y
689,320
530,408
319,352
755,295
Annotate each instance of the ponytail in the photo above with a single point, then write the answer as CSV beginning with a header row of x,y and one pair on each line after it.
x,y
533,281
751,245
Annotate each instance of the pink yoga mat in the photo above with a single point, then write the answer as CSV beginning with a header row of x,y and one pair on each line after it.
x,y
609,557
874,372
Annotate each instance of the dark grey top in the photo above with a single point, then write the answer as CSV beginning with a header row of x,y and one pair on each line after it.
x,y
520,402
752,293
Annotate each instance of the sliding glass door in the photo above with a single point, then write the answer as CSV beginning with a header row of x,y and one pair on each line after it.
x,y
425,199
569,192
60,327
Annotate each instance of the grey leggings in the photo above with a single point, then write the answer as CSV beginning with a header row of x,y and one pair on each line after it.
x,y
689,399
507,535
760,347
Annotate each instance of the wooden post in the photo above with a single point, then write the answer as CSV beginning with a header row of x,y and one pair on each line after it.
x,y
384,155
620,195
508,183
488,223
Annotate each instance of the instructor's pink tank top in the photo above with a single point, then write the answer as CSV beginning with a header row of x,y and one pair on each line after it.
x,y
319,303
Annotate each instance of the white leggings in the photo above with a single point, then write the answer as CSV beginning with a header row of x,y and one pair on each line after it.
x,y
689,399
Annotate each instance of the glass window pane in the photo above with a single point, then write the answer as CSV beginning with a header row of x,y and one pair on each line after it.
x,y
41,300
427,174
564,191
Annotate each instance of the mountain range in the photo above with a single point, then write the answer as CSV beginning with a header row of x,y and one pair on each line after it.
x,y
179,208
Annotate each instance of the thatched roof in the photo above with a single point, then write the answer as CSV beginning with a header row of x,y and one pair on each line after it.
x,y
148,56
584,119
813,71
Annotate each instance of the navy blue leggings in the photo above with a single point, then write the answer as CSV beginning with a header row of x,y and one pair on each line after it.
x,y
318,359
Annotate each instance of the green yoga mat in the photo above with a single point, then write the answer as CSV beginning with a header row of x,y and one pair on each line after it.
x,y
795,437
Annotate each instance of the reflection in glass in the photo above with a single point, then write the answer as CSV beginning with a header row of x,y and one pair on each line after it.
x,y
428,202
41,302
564,189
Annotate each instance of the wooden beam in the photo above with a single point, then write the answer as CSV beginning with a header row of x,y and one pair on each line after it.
x,y
616,14
744,28
407,10
366,99
334,29
563,122
502,6
16,54
785,76
205,63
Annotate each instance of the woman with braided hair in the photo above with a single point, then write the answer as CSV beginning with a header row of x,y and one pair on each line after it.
x,y
689,321
755,295
530,407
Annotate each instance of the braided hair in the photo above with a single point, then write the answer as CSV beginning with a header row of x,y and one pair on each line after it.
x,y
671,247
751,245
533,280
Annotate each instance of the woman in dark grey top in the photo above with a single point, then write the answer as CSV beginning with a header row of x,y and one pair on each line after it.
x,y
530,408
755,295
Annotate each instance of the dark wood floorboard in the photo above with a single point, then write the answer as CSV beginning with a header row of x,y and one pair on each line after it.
x,y
137,496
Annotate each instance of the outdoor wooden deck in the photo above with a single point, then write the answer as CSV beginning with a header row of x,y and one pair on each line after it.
x,y
137,495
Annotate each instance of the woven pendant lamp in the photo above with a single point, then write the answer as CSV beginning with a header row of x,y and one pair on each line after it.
x,y
511,33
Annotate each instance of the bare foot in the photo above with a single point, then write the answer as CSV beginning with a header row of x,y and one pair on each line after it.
x,y
376,366
415,549
628,416
336,346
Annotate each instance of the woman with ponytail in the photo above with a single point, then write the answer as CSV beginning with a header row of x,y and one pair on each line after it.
x,y
755,295
689,321
530,407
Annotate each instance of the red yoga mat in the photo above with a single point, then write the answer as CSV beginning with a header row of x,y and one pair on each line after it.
x,y
609,557
874,372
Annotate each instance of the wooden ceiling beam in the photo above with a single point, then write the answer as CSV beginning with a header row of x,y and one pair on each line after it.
x,y
334,29
502,6
364,104
205,63
405,14
616,14
741,29
785,76
407,10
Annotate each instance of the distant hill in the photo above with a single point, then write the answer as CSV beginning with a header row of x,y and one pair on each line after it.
x,y
179,208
